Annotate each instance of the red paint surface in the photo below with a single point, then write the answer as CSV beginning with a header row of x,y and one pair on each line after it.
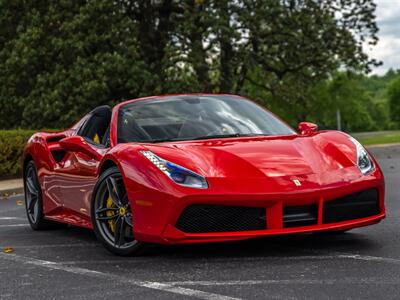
x,y
247,171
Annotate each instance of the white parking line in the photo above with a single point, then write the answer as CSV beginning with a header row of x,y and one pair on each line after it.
x,y
5,211
205,259
14,225
165,287
184,291
289,281
56,246
178,287
11,218
199,260
389,260
371,258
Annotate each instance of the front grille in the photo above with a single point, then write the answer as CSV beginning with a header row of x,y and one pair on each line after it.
x,y
294,216
355,206
203,218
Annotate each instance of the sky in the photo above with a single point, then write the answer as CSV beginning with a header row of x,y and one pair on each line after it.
x,y
388,48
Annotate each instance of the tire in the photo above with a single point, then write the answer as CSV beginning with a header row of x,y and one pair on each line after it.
x,y
34,200
112,217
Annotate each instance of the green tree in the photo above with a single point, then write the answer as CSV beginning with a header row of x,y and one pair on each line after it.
x,y
394,101
60,58
66,58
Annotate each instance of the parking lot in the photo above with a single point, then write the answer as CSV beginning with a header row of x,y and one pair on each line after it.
x,y
70,264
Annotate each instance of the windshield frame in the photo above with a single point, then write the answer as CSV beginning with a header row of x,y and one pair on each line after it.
x,y
117,109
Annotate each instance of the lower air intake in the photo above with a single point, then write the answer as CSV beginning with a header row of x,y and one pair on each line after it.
x,y
295,216
203,218
355,206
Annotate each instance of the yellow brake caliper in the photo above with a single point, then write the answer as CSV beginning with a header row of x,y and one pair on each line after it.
x,y
110,213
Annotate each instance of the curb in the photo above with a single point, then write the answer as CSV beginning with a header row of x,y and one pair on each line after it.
x,y
11,192
11,187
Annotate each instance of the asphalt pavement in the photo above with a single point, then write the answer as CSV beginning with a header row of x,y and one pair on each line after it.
x,y
70,264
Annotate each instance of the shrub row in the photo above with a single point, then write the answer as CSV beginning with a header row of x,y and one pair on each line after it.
x,y
12,144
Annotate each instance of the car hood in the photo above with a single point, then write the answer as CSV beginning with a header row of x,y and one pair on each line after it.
x,y
318,154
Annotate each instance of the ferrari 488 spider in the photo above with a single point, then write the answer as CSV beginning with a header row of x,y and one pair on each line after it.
x,y
198,168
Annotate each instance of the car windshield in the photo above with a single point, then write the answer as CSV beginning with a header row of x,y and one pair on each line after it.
x,y
179,118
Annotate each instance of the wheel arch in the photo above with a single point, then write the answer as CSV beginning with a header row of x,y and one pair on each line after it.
x,y
26,159
107,164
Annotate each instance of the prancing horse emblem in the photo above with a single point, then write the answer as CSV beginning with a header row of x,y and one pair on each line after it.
x,y
297,182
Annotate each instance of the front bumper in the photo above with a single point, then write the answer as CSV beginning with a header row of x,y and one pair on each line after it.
x,y
156,221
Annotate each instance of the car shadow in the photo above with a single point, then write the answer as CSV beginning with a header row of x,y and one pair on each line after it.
x,y
276,246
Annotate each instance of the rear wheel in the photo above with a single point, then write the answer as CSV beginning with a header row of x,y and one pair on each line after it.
x,y
34,200
112,216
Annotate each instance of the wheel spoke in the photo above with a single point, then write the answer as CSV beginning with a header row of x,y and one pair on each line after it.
x,y
124,201
119,236
31,186
112,213
105,209
32,203
106,218
128,220
113,191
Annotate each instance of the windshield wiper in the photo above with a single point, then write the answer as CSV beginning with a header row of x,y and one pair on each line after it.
x,y
164,140
216,136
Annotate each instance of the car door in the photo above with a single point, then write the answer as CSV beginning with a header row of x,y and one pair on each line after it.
x,y
78,172
77,177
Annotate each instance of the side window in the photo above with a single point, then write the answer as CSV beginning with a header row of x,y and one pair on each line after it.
x,y
95,129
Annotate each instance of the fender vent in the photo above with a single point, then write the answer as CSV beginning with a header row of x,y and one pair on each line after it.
x,y
55,138
58,155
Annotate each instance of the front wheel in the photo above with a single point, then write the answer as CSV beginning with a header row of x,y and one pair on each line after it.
x,y
112,215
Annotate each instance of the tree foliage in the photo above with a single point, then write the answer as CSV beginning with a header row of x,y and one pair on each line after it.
x,y
394,100
60,58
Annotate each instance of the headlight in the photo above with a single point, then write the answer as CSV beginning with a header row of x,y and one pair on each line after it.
x,y
178,174
364,162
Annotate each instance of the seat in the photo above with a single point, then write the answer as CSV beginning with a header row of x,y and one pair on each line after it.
x,y
96,127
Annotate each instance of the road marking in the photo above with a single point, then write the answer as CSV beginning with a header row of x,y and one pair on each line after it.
x,y
288,281
14,225
165,287
371,258
11,218
242,259
199,260
184,291
389,260
57,246
12,209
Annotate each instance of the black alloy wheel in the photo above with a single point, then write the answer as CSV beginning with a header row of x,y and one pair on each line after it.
x,y
112,215
34,200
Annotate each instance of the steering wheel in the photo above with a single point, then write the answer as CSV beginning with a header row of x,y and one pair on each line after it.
x,y
133,128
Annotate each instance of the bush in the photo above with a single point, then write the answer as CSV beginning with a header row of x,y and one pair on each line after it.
x,y
12,144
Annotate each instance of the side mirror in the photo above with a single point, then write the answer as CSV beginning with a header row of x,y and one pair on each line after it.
x,y
306,128
78,144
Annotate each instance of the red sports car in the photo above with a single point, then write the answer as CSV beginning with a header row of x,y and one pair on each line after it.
x,y
197,168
